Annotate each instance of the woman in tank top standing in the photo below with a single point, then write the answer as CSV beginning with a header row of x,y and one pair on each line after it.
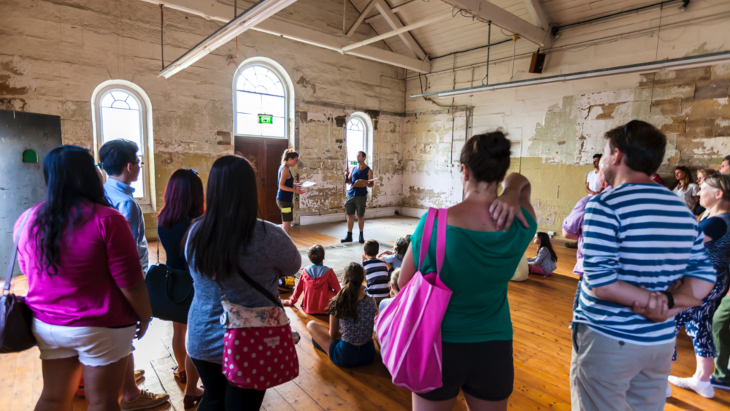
x,y
287,188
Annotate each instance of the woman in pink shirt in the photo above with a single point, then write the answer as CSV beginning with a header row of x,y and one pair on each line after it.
x,y
85,283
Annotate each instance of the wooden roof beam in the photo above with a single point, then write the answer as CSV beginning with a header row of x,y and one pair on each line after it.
x,y
395,23
504,19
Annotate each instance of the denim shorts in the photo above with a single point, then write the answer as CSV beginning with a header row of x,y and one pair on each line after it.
x,y
344,354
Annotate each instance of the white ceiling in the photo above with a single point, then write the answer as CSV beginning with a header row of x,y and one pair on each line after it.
x,y
462,33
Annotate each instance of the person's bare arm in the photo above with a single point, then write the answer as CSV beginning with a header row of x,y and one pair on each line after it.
x,y
622,293
285,174
407,269
348,177
370,177
334,327
687,293
570,236
588,190
508,206
138,297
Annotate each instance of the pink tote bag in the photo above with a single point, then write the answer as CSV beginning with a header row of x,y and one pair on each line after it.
x,y
409,329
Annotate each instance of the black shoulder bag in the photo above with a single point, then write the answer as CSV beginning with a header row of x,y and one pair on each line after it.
x,y
15,316
171,291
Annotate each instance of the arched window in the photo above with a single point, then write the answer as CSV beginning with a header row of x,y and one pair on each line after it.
x,y
359,137
260,101
121,112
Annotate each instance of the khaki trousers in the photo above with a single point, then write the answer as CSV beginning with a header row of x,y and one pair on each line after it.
x,y
608,374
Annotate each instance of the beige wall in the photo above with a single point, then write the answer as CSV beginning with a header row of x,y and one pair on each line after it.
x,y
555,129
53,54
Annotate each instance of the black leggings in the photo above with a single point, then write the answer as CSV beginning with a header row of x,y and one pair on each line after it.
x,y
220,395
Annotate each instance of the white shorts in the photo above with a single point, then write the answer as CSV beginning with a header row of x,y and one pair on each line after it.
x,y
95,346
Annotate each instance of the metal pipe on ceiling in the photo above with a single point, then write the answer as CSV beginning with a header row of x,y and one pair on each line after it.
x,y
654,66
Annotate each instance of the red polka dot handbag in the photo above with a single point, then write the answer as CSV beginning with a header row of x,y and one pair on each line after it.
x,y
258,350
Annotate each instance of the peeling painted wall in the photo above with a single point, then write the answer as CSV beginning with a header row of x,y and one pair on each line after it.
x,y
555,129
556,138
323,158
54,53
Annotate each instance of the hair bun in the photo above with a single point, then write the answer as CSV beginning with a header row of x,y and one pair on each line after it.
x,y
487,156
494,145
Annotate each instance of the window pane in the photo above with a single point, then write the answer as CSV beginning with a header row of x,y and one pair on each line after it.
x,y
119,95
260,91
354,144
139,184
276,129
248,124
272,105
132,102
355,124
249,103
107,100
120,123
121,117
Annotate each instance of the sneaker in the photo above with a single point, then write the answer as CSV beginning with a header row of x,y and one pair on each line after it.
x,y
719,384
669,390
703,388
146,400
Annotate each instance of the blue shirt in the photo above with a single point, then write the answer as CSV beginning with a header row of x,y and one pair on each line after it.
x,y
641,234
358,174
282,195
120,197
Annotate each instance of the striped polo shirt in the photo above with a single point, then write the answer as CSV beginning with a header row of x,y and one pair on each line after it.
x,y
644,235
377,277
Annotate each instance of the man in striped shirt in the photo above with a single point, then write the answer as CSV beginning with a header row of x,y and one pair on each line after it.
x,y
645,261
376,272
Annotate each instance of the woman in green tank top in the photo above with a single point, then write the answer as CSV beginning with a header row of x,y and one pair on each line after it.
x,y
484,245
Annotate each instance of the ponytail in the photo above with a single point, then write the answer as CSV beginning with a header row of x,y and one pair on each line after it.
x,y
344,304
289,153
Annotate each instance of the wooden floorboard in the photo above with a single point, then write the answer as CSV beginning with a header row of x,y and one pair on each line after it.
x,y
541,310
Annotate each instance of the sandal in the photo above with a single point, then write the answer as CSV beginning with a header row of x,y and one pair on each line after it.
x,y
181,376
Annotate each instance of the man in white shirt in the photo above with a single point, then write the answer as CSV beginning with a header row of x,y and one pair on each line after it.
x,y
593,185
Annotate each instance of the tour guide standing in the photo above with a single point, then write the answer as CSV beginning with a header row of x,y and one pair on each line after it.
x,y
287,188
357,195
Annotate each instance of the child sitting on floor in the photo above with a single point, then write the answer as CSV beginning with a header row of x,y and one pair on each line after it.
x,y
376,272
394,290
349,338
544,262
317,284
392,259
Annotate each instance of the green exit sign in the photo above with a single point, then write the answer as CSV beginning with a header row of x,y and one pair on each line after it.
x,y
266,119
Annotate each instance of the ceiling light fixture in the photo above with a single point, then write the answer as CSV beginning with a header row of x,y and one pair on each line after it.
x,y
248,19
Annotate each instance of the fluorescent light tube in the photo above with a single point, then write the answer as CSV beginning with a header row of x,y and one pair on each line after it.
x,y
250,18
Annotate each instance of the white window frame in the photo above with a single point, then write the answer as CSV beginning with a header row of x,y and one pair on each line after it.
x,y
367,137
147,201
283,77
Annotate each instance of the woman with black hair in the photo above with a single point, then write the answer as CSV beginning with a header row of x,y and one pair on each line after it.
x,y
482,247
226,241
184,202
85,283
544,262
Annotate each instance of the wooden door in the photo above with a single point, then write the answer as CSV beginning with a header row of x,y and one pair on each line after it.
x,y
265,154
